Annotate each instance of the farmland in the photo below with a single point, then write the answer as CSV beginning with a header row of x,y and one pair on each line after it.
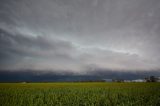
x,y
80,94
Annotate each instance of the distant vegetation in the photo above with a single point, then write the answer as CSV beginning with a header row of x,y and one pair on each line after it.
x,y
80,94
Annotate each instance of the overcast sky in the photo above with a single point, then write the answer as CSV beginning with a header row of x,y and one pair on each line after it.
x,y
80,35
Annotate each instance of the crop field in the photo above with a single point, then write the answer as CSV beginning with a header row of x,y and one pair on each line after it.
x,y
80,94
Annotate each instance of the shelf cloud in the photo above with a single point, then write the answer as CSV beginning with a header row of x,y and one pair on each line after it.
x,y
80,36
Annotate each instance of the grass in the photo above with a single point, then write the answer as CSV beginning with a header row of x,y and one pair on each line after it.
x,y
80,94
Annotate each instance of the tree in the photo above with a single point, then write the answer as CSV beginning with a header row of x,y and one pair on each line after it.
x,y
153,79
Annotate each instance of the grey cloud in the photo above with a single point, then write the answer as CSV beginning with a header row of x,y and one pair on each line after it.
x,y
107,59
80,35
34,44
40,53
19,47
80,16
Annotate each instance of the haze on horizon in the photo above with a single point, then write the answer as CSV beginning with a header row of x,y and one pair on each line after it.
x,y
80,36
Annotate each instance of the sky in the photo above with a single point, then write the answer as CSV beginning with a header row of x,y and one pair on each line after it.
x,y
80,36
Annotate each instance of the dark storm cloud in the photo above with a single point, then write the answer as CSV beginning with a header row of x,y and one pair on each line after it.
x,y
31,76
19,48
28,45
80,35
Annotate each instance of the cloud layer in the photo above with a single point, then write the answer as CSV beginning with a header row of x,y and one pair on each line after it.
x,y
80,36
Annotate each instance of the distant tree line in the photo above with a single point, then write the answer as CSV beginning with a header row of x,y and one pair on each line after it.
x,y
152,79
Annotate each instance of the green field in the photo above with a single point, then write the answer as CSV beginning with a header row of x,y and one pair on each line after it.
x,y
80,94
